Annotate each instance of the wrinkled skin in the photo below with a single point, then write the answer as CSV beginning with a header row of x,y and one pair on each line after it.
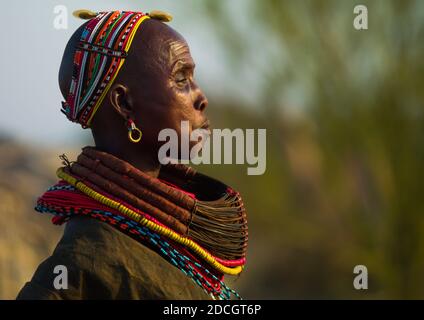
x,y
155,88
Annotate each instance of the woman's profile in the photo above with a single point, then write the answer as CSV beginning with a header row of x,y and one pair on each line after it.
x,y
135,229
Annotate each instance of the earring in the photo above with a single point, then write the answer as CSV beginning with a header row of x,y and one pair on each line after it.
x,y
131,129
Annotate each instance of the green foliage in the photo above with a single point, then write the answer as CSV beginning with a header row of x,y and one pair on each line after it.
x,y
345,157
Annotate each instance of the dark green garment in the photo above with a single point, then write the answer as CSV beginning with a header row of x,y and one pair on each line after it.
x,y
104,263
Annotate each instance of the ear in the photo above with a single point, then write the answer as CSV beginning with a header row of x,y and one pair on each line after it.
x,y
120,100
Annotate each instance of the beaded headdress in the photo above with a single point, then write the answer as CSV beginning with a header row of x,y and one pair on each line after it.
x,y
99,55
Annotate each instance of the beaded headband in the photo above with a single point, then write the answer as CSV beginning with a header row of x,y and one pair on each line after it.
x,y
99,55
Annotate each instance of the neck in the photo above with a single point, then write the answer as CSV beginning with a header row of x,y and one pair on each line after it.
x,y
143,161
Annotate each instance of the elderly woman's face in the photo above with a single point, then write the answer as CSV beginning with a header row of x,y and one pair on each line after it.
x,y
160,79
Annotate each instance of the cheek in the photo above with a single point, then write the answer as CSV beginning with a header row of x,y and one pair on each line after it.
x,y
179,107
165,109
184,107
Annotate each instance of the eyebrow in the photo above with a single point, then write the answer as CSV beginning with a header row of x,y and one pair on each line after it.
x,y
183,65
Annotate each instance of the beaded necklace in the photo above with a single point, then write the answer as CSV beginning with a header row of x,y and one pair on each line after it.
x,y
99,185
211,282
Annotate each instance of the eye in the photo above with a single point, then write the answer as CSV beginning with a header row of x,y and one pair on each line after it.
x,y
180,77
182,80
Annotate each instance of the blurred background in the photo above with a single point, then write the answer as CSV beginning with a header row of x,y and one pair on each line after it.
x,y
344,115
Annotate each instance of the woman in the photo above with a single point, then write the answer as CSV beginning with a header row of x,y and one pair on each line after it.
x,y
135,229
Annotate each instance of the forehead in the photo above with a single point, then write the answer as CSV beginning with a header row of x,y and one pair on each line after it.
x,y
179,54
159,45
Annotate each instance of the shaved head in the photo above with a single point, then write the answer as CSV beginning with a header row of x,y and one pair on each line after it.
x,y
155,88
149,50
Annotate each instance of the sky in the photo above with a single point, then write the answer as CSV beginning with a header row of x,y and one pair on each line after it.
x,y
30,98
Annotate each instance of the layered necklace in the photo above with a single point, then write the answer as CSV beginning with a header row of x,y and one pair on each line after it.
x,y
195,222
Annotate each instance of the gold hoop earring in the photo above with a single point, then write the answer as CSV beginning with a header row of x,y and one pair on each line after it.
x,y
131,129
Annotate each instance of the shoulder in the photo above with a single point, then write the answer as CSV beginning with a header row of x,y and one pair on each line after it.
x,y
71,261
104,263
129,267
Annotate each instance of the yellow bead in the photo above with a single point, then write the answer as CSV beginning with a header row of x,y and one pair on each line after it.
x,y
84,14
160,15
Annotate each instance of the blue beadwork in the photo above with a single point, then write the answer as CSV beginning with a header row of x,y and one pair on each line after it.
x,y
179,260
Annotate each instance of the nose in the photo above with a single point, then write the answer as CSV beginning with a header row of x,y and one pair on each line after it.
x,y
201,102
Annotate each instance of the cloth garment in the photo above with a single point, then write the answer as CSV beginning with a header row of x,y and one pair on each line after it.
x,y
104,263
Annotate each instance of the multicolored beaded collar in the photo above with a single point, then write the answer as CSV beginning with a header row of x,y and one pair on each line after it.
x,y
195,222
